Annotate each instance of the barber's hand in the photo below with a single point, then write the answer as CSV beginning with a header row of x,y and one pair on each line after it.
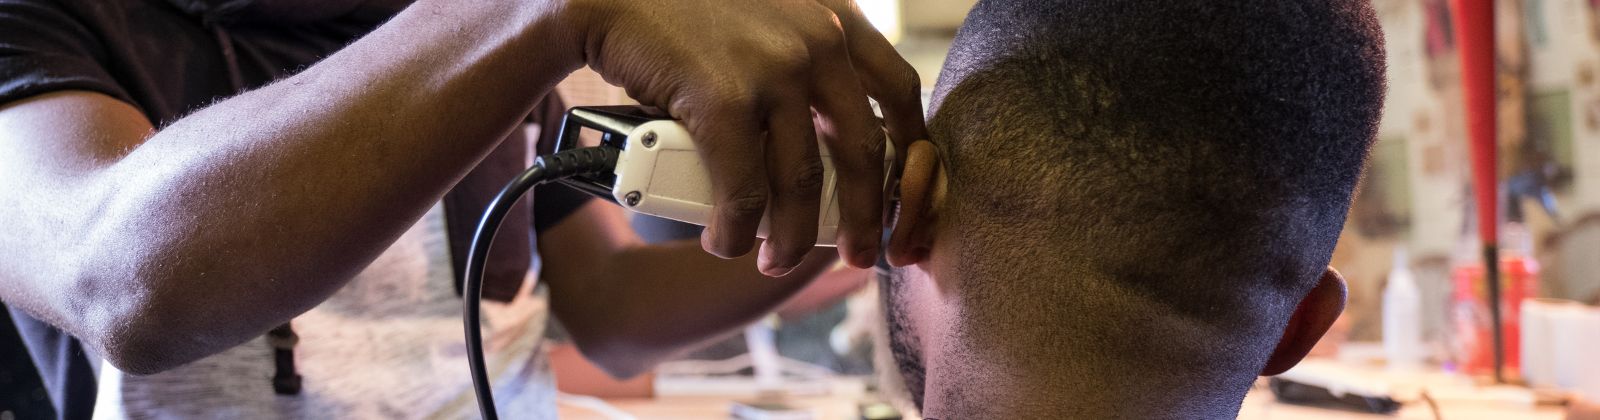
x,y
745,77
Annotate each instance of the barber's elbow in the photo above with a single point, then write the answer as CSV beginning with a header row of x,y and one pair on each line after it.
x,y
125,333
137,327
145,309
141,352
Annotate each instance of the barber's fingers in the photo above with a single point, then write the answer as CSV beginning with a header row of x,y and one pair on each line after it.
x,y
856,143
886,76
897,88
731,146
795,174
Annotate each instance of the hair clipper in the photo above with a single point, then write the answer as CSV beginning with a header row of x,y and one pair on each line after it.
x,y
659,171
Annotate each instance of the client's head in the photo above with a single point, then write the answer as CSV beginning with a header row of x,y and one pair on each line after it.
x,y
1129,206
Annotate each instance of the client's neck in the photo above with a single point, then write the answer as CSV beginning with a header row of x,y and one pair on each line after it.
x,y
970,391
1102,358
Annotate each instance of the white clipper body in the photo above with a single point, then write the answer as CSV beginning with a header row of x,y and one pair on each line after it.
x,y
659,173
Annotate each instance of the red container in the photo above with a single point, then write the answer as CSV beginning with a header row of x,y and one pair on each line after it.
x,y
1474,348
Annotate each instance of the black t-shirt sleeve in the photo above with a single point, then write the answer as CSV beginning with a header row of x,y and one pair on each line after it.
x,y
44,47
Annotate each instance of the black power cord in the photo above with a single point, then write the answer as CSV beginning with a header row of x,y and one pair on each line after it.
x,y
548,168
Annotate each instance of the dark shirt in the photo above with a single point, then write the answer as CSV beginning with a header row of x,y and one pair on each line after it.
x,y
168,59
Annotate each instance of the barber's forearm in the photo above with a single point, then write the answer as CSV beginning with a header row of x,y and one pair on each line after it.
x,y
255,209
649,302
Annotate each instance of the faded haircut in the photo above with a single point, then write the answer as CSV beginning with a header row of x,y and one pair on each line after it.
x,y
1192,156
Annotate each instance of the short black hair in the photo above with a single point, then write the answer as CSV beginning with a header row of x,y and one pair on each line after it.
x,y
1196,156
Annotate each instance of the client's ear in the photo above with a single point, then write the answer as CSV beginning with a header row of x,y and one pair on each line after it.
x,y
921,187
1311,319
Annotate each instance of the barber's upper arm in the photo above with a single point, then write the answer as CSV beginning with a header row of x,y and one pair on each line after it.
x,y
53,149
66,134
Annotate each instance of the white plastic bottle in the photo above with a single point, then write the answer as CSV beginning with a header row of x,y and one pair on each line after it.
x,y
1402,316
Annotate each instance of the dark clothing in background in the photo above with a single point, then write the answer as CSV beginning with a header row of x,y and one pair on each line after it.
x,y
168,61
22,392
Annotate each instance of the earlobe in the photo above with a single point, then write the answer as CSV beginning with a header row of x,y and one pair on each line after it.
x,y
913,226
1311,319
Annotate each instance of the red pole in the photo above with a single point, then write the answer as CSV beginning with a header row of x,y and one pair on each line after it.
x,y
1474,29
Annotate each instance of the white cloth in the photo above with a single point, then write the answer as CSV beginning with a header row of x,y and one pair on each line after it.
x,y
387,346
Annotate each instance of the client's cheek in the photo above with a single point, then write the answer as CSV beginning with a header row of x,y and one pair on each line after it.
x,y
918,292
